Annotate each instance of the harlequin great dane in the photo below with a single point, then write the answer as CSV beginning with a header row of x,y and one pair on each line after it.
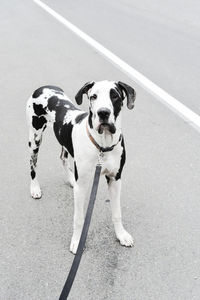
x,y
82,136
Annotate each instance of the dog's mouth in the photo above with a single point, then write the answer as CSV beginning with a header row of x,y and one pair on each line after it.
x,y
107,126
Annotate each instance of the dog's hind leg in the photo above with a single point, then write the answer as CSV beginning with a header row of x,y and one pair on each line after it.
x,y
35,139
37,124
64,156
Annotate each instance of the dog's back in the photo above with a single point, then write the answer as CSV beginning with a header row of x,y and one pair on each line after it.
x,y
47,105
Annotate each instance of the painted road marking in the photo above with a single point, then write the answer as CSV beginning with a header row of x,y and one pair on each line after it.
x,y
176,106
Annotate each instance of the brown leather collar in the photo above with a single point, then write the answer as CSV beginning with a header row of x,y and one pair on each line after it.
x,y
101,149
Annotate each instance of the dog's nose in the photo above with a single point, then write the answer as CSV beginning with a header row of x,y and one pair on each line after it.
x,y
103,113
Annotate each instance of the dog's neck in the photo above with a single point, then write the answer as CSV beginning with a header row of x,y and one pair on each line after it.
x,y
106,139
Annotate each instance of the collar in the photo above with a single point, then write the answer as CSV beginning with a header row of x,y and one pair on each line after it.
x,y
101,149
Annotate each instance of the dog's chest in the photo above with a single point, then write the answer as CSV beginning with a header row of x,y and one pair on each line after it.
x,y
111,163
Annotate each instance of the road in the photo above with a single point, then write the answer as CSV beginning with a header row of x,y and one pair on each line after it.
x,y
160,196
159,39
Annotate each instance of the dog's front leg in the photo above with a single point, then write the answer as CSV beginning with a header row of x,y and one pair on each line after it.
x,y
114,188
79,199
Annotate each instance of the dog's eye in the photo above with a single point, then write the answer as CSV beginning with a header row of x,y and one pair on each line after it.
x,y
115,96
93,97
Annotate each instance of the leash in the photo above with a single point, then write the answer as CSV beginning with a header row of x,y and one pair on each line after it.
x,y
81,245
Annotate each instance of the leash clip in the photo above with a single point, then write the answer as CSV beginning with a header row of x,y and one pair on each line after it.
x,y
100,158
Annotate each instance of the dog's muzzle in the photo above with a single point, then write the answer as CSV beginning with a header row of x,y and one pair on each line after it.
x,y
104,114
106,126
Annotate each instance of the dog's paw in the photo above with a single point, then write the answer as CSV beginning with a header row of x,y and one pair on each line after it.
x,y
125,239
74,245
36,192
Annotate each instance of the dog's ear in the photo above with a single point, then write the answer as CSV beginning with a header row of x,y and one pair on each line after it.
x,y
129,92
83,90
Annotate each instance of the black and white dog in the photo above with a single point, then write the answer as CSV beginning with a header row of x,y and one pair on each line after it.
x,y
82,136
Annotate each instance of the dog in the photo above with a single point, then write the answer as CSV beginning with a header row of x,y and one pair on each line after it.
x,y
83,135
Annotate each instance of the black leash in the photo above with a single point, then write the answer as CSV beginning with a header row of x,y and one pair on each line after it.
x,y
81,245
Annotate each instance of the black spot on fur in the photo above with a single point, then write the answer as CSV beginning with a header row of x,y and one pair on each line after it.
x,y
80,118
35,151
59,92
62,131
117,101
39,109
33,161
75,171
60,106
65,154
107,179
39,91
38,122
37,143
122,162
52,102
33,174
61,112
29,144
90,119
63,134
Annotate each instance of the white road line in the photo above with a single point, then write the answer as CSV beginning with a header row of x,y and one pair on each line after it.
x,y
176,106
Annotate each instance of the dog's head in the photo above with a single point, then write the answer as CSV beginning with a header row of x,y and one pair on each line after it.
x,y
106,101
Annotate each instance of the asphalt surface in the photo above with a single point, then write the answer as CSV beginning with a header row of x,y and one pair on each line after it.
x,y
160,196
160,39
